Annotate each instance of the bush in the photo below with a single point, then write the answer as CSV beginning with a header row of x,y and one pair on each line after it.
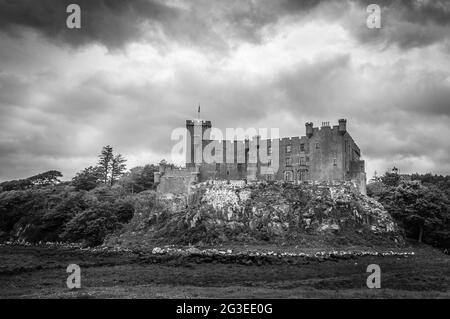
x,y
19,208
70,205
91,226
124,209
423,211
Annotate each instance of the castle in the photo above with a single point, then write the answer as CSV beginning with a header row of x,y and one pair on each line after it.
x,y
323,154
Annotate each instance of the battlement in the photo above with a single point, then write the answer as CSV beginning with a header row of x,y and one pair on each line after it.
x,y
198,122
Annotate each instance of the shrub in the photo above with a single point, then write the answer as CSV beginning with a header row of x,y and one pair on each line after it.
x,y
91,226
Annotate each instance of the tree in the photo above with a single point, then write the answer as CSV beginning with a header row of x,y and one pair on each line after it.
x,y
111,166
92,225
168,165
105,162
118,168
139,178
46,178
423,211
390,179
441,182
88,179
68,205
43,179
15,185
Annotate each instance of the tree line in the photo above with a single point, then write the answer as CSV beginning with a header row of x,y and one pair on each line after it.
x,y
98,201
418,202
102,198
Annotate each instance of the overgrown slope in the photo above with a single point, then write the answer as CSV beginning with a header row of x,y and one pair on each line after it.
x,y
306,214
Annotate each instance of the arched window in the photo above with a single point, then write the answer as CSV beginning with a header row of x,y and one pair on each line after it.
x,y
288,176
302,175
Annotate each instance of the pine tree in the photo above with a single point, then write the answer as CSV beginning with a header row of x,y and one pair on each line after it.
x,y
105,162
118,168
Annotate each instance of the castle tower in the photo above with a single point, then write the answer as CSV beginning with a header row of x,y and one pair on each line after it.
x,y
197,131
342,126
309,129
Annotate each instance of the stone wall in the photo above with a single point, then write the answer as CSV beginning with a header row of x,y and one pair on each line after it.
x,y
324,154
175,181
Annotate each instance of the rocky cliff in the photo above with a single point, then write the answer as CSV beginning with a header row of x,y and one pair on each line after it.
x,y
264,212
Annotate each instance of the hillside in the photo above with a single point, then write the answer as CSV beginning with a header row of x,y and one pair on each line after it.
x,y
306,215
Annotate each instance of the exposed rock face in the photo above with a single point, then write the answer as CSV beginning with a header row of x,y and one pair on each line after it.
x,y
273,212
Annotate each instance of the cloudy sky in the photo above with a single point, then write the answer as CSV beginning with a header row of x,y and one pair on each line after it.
x,y
138,69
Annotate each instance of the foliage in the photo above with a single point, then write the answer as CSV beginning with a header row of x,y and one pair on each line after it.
x,y
111,166
92,225
86,210
390,179
118,167
69,205
441,182
48,178
104,162
52,214
16,204
259,213
423,209
20,184
139,179
88,179
168,165
124,209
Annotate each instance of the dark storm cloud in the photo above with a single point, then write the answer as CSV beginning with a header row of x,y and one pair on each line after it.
x,y
59,106
212,24
111,22
405,23
114,23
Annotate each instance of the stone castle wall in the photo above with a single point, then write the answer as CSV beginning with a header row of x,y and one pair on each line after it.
x,y
324,154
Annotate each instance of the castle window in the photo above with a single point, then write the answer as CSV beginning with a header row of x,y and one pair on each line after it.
x,y
334,162
269,162
307,158
302,147
317,146
302,175
302,161
288,161
288,176
288,148
269,150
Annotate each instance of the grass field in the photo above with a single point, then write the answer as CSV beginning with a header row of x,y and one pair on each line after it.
x,y
40,272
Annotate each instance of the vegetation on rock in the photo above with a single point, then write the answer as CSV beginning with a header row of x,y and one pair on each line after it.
x,y
274,212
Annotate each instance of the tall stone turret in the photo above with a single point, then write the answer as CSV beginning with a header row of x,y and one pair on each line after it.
x,y
309,129
197,132
342,126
